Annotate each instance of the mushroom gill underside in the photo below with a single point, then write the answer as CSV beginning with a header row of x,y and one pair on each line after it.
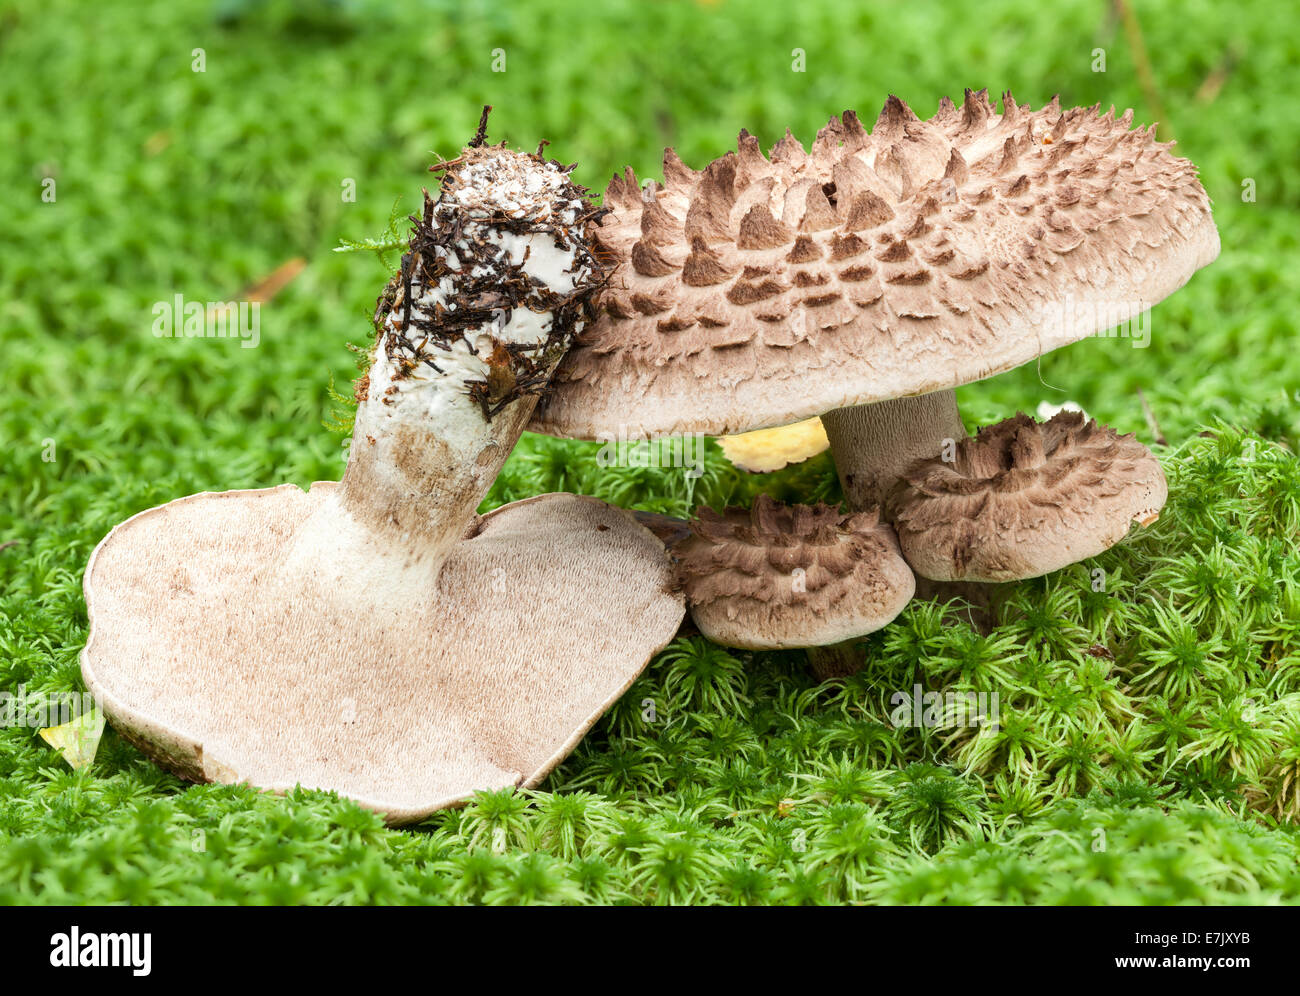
x,y
223,666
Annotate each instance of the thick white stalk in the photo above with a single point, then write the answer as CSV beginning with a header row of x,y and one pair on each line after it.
x,y
487,302
424,451
873,444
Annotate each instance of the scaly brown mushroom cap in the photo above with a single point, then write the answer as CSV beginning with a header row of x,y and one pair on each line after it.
x,y
925,255
1024,498
778,576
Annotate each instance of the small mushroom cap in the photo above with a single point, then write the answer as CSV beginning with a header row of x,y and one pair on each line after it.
x,y
927,254
778,576
1024,498
222,666
765,450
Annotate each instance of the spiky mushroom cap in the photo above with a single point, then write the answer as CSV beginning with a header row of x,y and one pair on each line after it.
x,y
1024,498
776,576
919,257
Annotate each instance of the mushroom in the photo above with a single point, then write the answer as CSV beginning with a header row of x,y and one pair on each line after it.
x,y
766,450
1024,498
376,637
780,576
865,280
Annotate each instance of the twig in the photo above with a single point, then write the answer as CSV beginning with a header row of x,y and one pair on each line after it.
x,y
480,136
1146,77
1210,87
265,289
276,281
1152,425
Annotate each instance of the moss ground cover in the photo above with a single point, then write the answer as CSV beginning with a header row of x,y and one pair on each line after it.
x,y
1148,744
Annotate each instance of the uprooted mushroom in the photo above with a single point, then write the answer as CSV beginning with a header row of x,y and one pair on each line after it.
x,y
376,637
865,280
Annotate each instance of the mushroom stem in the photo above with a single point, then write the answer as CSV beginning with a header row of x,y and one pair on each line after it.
x,y
416,487
873,444
838,660
489,296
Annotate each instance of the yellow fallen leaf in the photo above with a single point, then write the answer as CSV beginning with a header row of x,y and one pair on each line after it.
x,y
766,450
77,740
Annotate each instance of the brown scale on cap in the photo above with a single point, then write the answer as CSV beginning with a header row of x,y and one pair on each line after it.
x,y
780,575
927,254
1023,498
